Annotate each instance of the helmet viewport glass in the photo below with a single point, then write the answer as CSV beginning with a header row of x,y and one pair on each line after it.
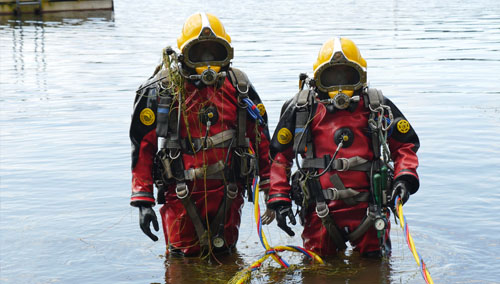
x,y
207,51
339,75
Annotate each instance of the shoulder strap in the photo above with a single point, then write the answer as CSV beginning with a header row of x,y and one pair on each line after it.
x,y
303,105
240,81
375,98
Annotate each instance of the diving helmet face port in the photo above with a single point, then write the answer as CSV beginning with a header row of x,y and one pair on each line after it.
x,y
204,42
339,66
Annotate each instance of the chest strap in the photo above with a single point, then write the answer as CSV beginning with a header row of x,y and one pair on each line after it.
x,y
219,140
340,192
341,164
346,195
213,171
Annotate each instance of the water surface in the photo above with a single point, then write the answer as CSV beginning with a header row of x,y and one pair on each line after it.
x,y
67,84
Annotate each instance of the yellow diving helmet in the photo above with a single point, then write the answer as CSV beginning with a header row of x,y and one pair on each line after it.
x,y
340,70
205,45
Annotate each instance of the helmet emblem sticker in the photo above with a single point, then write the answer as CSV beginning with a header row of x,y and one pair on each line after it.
x,y
262,109
403,126
284,136
147,116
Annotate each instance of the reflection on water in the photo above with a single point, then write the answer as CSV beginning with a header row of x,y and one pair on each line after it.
x,y
352,269
67,83
56,19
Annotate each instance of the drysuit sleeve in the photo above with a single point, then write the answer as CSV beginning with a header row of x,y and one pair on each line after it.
x,y
403,144
281,150
260,139
144,146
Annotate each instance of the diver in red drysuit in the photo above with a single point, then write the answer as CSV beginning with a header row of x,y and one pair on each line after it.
x,y
210,149
339,111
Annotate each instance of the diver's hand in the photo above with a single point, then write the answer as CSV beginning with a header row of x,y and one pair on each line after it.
x,y
400,188
281,213
146,216
267,217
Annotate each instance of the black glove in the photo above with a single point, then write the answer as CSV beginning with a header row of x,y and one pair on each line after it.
x,y
400,188
281,213
146,216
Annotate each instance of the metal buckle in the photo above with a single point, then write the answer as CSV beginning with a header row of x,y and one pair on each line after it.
x,y
232,191
332,193
207,143
345,164
181,190
174,157
322,209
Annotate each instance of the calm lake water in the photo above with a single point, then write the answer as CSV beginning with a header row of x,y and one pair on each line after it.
x,y
67,87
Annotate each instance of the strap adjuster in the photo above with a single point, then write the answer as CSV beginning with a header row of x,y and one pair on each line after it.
x,y
344,162
207,143
181,190
331,193
322,209
232,191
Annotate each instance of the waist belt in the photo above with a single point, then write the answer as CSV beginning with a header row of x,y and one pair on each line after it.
x,y
219,140
342,164
340,192
213,171
348,194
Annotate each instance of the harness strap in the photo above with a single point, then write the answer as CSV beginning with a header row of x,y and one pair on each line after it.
x,y
219,221
240,79
217,224
324,214
242,86
182,192
219,140
342,164
347,195
213,171
242,126
301,119
352,197
175,168
365,224
375,97
331,228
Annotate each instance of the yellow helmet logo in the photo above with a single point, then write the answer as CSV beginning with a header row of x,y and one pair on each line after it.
x,y
284,136
262,109
403,126
147,116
